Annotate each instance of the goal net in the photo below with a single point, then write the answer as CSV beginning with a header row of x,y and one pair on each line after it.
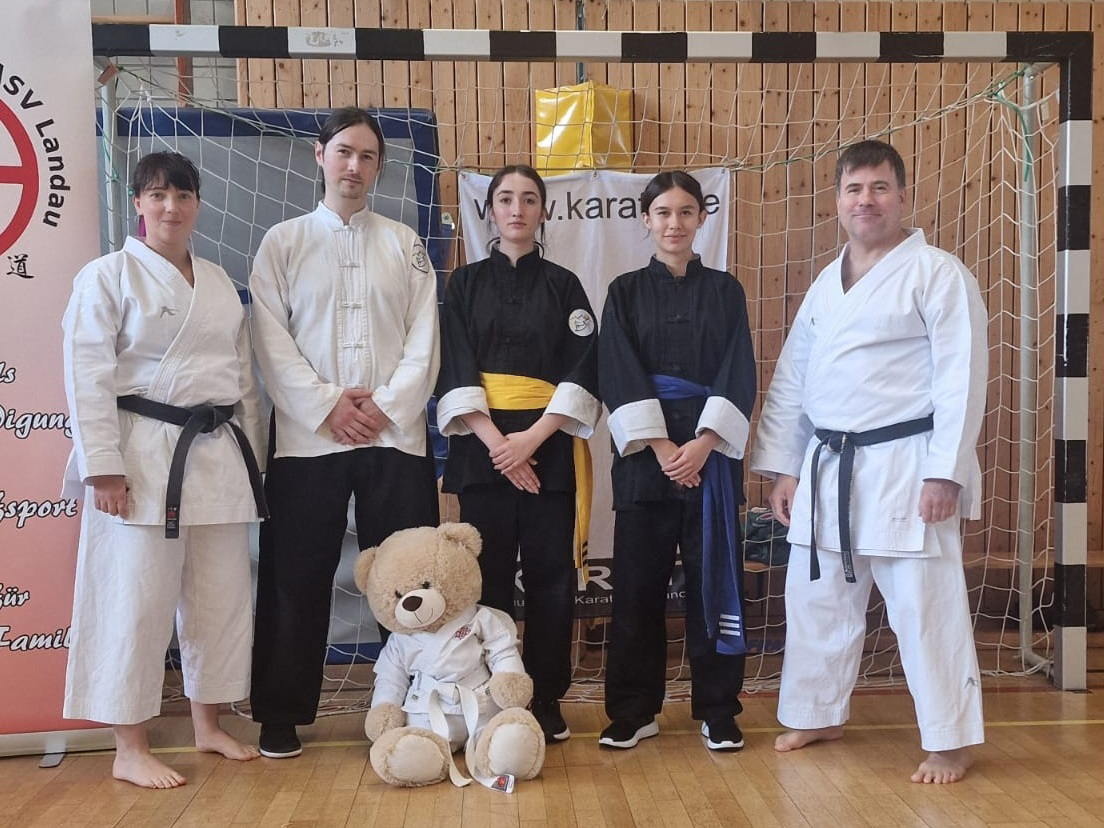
x,y
980,145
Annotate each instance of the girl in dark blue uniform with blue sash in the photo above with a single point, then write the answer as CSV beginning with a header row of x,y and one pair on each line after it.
x,y
677,372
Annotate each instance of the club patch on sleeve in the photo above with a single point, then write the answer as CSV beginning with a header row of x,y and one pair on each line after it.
x,y
580,322
419,258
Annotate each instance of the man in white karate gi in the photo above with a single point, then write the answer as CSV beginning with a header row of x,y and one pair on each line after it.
x,y
869,430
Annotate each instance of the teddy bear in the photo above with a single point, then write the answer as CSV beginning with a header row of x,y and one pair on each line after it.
x,y
450,674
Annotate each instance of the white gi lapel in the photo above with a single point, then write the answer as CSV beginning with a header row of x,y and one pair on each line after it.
x,y
196,317
834,313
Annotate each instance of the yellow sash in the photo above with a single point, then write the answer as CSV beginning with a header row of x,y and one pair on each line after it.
x,y
508,392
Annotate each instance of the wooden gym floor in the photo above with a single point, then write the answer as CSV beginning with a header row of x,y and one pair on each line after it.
x,y
1040,766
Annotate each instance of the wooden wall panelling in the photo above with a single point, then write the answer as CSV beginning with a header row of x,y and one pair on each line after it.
x,y
467,107
443,87
395,74
419,15
953,146
489,121
930,134
674,93
565,18
647,101
542,75
699,137
259,87
343,73
748,215
975,241
773,284
316,73
619,17
596,18
516,93
289,71
903,78
1095,447
369,78
721,101
838,119
800,144
879,18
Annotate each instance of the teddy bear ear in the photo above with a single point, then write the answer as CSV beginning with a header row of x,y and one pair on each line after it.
x,y
463,534
361,568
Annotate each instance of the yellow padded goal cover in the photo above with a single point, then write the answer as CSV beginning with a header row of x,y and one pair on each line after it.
x,y
586,126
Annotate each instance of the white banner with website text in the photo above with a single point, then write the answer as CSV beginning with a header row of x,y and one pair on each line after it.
x,y
595,229
49,228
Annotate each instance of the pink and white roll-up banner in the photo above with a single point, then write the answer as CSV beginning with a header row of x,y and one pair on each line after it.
x,y
49,228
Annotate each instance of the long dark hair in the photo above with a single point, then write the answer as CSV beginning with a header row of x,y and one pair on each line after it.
x,y
496,182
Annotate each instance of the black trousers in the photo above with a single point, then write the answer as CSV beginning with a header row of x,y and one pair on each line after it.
x,y
542,528
644,544
300,548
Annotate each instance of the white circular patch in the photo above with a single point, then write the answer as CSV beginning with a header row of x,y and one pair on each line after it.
x,y
580,323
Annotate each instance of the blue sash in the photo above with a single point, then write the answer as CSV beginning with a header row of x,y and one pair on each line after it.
x,y
724,617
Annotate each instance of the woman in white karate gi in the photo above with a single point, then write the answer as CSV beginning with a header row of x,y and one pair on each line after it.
x,y
153,323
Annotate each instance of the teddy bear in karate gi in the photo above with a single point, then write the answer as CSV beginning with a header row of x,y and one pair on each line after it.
x,y
450,674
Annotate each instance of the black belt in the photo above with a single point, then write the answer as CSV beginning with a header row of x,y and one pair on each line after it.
x,y
844,443
196,419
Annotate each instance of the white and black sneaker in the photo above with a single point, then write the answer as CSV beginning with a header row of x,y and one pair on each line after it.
x,y
279,741
722,734
625,733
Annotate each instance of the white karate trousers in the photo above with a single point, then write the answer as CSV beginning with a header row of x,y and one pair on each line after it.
x,y
928,610
130,583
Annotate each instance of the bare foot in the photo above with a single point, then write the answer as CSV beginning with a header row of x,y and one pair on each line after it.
x,y
142,769
211,738
944,766
219,741
797,739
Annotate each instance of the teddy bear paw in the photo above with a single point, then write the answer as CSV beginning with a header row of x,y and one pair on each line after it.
x,y
410,757
511,743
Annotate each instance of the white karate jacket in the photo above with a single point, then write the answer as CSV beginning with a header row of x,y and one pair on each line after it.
x,y
907,340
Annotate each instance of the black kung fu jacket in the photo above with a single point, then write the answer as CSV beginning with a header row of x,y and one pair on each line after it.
x,y
693,327
533,320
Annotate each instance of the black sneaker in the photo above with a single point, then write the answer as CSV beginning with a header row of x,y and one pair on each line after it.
x,y
279,741
547,714
625,733
722,734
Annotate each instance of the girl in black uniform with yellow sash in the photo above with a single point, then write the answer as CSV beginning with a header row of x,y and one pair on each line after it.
x,y
517,398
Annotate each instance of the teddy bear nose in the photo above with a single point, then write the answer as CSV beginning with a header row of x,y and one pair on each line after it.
x,y
411,603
